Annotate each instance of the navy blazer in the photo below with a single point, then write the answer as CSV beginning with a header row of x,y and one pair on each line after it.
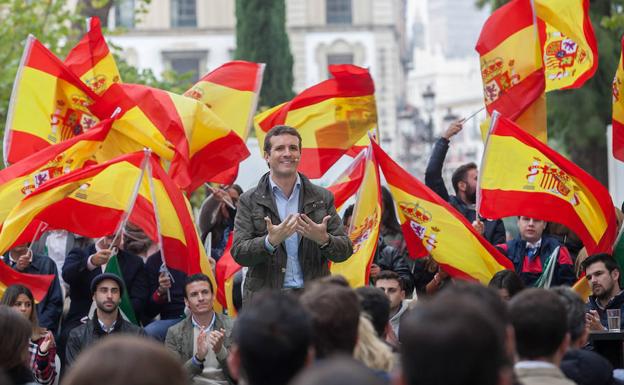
x,y
78,277
50,308
167,310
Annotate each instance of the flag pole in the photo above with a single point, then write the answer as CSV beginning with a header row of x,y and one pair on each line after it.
x,y
494,119
464,120
163,267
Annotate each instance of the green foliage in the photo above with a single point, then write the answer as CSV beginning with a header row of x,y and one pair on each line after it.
x,y
261,37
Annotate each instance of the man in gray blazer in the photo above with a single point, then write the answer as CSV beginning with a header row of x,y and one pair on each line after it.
x,y
202,339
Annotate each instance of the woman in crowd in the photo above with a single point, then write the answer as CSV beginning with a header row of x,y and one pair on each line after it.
x,y
42,348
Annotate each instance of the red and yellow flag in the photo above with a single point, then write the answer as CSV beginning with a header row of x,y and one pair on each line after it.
x,y
522,176
364,230
568,41
225,271
49,104
618,108
38,284
330,116
23,177
348,183
431,226
86,202
92,61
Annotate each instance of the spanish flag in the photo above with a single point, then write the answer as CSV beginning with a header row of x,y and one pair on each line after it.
x,y
348,183
179,129
225,271
568,41
49,104
92,61
22,178
431,226
38,284
364,230
522,176
330,116
618,109
87,203
231,91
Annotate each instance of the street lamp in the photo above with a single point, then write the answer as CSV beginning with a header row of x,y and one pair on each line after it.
x,y
429,105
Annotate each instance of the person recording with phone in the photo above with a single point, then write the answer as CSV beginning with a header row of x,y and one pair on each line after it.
x,y
22,259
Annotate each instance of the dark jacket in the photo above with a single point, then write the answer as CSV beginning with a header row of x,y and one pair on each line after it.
x,y
529,270
78,276
494,231
616,302
587,368
88,333
389,258
267,270
157,305
50,308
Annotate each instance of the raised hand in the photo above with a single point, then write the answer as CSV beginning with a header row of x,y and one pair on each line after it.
x,y
317,232
164,283
23,261
279,233
202,345
47,343
215,339
101,257
453,129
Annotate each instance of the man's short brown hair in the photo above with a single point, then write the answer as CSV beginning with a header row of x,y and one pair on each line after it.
x,y
277,131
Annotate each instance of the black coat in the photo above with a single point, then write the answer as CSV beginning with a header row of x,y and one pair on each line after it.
x,y
389,258
79,277
167,310
494,231
50,308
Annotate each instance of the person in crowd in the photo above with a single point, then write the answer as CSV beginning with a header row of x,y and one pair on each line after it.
x,y
166,299
83,265
386,257
272,340
49,310
464,180
392,285
16,332
121,360
603,275
202,340
540,323
335,312
452,340
286,228
584,367
372,351
429,278
389,228
216,217
106,290
507,283
41,348
340,370
137,242
376,305
531,251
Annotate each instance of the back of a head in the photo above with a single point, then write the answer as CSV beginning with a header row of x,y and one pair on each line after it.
x,y
451,341
575,309
121,360
486,296
508,280
335,313
339,370
376,305
15,331
273,334
540,323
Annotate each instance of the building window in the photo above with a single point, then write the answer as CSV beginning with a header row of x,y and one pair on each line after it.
x,y
184,62
183,13
340,58
338,11
124,14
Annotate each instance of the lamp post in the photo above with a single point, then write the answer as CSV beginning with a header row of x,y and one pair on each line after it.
x,y
429,105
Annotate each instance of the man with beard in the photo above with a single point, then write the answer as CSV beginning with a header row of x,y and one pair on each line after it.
x,y
531,251
106,290
464,182
603,275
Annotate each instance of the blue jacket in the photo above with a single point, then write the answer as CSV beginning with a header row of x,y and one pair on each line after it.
x,y
155,305
50,308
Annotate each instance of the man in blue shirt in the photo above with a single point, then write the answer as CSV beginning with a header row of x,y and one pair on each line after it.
x,y
286,229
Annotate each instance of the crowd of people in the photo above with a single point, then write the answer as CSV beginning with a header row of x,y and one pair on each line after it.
x,y
297,324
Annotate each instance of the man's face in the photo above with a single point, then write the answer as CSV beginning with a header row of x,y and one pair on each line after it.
x,y
470,185
107,296
603,284
199,297
393,291
531,229
283,158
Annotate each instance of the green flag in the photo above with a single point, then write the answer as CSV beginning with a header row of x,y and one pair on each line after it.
x,y
125,306
618,249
